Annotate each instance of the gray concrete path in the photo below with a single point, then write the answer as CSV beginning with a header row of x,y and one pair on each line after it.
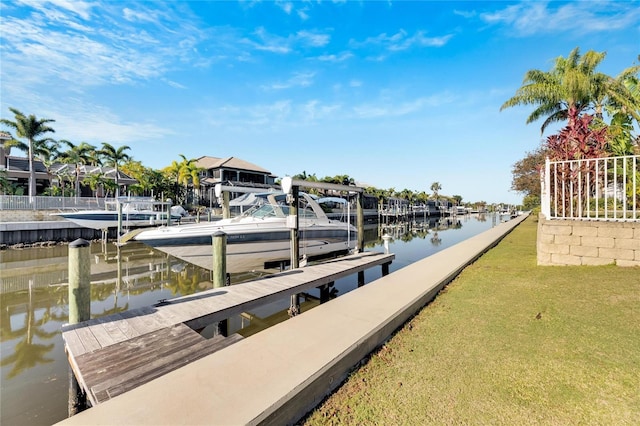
x,y
279,374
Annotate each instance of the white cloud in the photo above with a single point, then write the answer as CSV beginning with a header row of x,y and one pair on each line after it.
x,y
286,6
530,18
420,40
77,121
313,39
270,43
335,58
387,107
175,84
464,13
55,49
400,41
135,16
302,14
296,80
79,8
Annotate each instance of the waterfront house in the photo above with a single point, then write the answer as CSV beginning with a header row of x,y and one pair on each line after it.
x,y
231,171
16,171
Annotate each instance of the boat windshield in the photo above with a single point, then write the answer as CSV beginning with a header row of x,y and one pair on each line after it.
x,y
279,210
267,210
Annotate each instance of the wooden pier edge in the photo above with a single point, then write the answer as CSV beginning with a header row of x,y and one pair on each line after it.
x,y
108,355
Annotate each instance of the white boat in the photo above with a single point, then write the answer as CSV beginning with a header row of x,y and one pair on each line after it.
x,y
257,239
460,210
136,212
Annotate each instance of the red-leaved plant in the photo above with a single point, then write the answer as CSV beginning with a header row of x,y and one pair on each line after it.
x,y
574,181
578,141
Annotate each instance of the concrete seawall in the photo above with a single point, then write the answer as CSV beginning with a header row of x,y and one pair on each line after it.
x,y
12,233
279,374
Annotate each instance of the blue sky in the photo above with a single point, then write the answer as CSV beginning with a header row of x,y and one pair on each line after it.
x,y
395,94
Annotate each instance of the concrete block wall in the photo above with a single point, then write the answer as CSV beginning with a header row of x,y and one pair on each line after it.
x,y
583,242
27,215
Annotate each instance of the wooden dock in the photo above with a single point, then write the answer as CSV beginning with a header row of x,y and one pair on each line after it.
x,y
116,353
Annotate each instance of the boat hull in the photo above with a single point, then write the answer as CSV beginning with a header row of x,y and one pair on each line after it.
x,y
249,246
104,219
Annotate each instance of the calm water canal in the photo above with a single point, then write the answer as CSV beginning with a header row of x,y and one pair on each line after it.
x,y
35,373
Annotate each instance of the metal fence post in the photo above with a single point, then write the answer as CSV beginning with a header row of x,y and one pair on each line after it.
x,y
545,183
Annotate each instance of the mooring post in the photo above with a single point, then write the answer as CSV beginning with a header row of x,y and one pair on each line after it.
x,y
360,278
294,308
79,281
219,272
325,292
226,211
119,220
385,269
168,211
79,308
219,242
360,222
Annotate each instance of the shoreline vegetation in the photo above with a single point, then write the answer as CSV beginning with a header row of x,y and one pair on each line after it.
x,y
507,342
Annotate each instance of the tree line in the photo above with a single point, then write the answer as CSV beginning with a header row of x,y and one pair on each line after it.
x,y
174,181
383,196
37,143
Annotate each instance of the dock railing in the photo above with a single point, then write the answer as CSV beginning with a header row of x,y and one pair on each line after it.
x,y
20,202
606,189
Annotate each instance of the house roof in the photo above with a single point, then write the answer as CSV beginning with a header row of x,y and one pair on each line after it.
x,y
86,170
229,163
21,164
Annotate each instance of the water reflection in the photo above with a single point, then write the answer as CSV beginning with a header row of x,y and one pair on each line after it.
x,y
34,302
19,323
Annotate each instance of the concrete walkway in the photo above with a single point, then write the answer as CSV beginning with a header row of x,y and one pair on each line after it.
x,y
279,374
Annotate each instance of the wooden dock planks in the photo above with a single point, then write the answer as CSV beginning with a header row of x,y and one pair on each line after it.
x,y
115,353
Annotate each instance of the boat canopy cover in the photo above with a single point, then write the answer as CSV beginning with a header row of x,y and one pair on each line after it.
x,y
336,200
250,199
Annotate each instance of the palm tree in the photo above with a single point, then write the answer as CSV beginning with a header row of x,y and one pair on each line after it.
x,y
625,97
309,178
571,87
30,128
408,195
140,173
77,155
95,181
114,157
47,151
621,127
435,188
172,172
189,173
184,173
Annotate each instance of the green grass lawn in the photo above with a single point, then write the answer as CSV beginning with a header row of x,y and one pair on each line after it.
x,y
508,342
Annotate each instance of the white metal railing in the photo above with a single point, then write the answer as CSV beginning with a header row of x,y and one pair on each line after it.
x,y
22,202
596,189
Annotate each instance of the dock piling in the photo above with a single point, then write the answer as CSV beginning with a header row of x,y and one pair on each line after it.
x,y
294,305
79,281
360,222
220,276
219,242
79,308
168,211
386,238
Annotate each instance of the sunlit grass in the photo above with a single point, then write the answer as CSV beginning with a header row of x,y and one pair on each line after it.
x,y
508,342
